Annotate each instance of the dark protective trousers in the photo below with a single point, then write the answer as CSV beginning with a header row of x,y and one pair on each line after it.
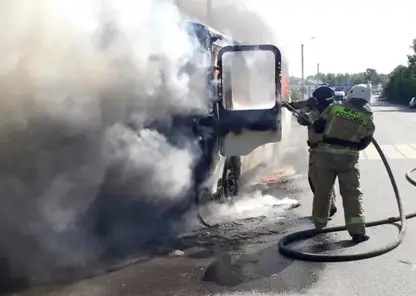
x,y
345,167
312,175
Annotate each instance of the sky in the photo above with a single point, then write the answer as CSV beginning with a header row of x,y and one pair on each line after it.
x,y
350,35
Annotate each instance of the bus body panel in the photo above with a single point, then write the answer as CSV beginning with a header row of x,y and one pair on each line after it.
x,y
264,155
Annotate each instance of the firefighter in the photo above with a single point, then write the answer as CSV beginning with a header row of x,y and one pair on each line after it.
x,y
347,127
323,96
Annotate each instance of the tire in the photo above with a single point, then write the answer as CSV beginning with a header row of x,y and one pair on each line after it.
x,y
230,180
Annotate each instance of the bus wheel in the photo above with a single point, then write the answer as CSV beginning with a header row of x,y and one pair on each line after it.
x,y
230,180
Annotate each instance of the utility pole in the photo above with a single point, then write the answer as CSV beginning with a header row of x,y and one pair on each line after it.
x,y
303,71
209,10
317,72
303,68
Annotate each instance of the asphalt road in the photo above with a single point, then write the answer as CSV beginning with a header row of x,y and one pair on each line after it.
x,y
242,258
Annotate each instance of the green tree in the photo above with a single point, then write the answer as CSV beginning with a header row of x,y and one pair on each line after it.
x,y
296,95
354,78
401,83
384,79
371,75
401,86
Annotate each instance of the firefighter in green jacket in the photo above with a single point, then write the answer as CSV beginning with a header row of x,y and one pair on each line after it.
x,y
323,96
347,127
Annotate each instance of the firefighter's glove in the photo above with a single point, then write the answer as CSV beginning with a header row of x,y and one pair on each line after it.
x,y
303,118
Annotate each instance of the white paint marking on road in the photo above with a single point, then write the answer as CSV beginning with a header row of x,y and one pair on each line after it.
x,y
391,152
371,152
407,150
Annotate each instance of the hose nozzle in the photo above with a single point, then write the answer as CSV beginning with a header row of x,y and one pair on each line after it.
x,y
295,112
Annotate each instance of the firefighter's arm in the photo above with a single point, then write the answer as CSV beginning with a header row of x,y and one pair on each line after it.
x,y
297,105
310,103
308,118
371,128
306,115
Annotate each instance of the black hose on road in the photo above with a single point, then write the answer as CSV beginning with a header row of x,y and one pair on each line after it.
x,y
284,243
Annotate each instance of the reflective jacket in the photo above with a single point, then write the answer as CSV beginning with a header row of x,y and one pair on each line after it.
x,y
346,127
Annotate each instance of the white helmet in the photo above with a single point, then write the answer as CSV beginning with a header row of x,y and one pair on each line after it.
x,y
360,91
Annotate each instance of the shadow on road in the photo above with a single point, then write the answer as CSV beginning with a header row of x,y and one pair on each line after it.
x,y
127,232
240,269
234,269
114,233
237,271
8,282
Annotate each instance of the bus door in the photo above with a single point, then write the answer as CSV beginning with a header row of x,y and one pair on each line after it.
x,y
257,121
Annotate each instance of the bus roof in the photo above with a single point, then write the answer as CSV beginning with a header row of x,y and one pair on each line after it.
x,y
206,34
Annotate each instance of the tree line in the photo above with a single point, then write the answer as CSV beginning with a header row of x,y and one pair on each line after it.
x,y
401,85
353,78
339,79
398,87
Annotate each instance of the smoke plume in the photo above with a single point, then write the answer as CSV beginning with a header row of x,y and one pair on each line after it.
x,y
81,84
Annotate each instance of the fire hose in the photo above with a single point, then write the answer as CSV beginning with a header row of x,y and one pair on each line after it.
x,y
285,241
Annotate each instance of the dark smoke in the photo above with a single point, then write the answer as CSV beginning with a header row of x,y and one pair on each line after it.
x,y
80,169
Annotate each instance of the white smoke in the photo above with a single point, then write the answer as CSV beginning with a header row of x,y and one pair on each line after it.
x,y
245,20
72,75
253,22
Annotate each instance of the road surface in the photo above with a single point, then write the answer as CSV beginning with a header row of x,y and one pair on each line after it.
x,y
242,258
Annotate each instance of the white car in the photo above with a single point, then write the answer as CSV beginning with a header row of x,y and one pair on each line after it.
x,y
412,103
339,95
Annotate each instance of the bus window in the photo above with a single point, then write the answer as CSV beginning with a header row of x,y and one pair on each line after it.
x,y
249,79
